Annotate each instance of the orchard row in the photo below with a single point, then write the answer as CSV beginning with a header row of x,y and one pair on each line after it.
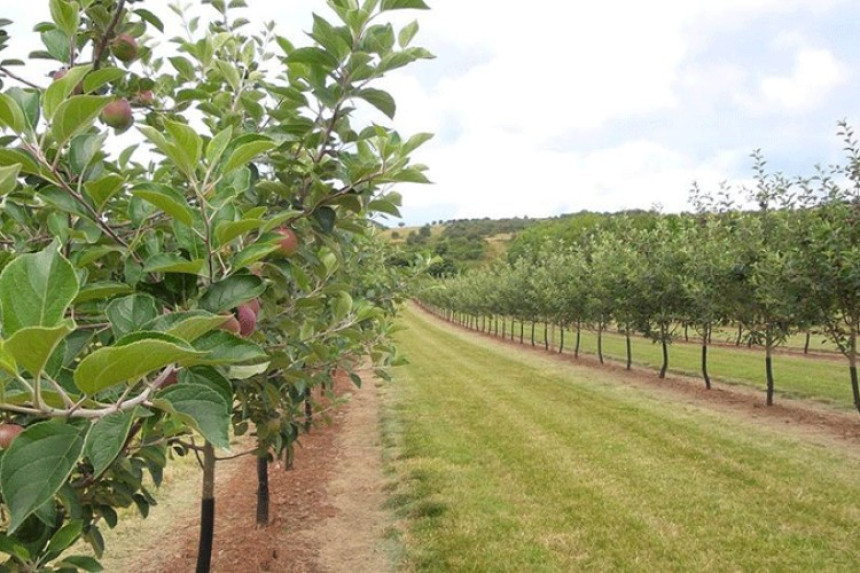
x,y
790,264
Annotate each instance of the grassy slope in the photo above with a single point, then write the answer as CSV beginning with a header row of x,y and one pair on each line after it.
x,y
823,379
514,462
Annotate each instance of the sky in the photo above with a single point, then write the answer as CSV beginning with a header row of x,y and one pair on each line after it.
x,y
552,106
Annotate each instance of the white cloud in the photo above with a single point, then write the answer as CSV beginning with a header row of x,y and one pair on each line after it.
x,y
816,72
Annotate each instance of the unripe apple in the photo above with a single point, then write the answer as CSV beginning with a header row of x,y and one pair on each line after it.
x,y
144,98
8,432
247,319
124,48
117,114
289,242
231,324
254,303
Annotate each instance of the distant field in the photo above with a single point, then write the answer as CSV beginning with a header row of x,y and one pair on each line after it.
x,y
512,461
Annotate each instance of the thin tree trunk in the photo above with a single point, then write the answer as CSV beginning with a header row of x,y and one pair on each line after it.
x,y
309,410
207,511
546,335
852,359
705,357
263,490
740,335
768,367
561,340
533,332
665,346
629,348
686,332
522,330
578,339
600,342
806,342
496,325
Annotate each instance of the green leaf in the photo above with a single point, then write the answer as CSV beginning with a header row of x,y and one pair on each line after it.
x,y
172,263
11,115
9,178
231,292
36,465
150,18
379,99
76,114
195,326
313,56
188,146
107,438
60,89
84,562
342,305
225,348
65,536
29,100
7,363
407,33
11,546
36,289
403,4
57,45
230,73
84,148
101,190
65,15
167,199
101,290
217,145
31,347
129,361
325,217
131,313
100,77
229,230
204,408
211,377
245,153
253,253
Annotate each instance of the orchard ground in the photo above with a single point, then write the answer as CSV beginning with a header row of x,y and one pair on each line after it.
x,y
329,511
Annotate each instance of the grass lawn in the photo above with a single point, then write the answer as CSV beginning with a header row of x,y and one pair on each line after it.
x,y
509,461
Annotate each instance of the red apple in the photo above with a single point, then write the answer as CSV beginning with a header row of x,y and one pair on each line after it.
x,y
247,319
254,303
117,114
289,242
124,48
231,324
8,432
144,98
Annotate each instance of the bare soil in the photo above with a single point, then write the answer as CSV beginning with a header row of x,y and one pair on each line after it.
x,y
326,513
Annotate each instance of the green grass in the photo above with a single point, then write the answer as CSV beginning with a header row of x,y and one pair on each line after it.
x,y
510,461
821,379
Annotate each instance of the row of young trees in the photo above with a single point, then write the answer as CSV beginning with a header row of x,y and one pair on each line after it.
x,y
203,279
791,264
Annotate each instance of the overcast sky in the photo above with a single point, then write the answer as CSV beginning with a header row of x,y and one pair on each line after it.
x,y
552,106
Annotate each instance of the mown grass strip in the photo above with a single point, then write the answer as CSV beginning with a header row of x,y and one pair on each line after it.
x,y
515,462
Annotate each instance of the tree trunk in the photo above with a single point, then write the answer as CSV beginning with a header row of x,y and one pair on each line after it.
x,y
600,342
768,368
705,375
578,338
852,360
806,342
263,490
546,335
309,410
496,325
740,334
629,348
207,511
561,340
665,345
522,330
686,332
533,332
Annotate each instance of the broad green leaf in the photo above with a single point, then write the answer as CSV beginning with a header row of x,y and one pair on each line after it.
x,y
245,153
9,178
101,190
225,348
128,362
211,377
379,99
84,562
7,363
76,114
107,438
167,199
253,253
83,148
195,326
384,206
415,142
230,73
201,406
245,372
407,33
100,290
11,546
229,230
172,263
403,4
29,100
100,77
57,45
66,535
216,146
313,56
11,115
150,18
342,305
36,289
36,465
131,313
31,347
188,146
65,15
231,292
60,89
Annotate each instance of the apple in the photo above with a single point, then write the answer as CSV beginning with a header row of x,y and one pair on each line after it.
x,y
231,324
171,379
61,73
8,432
124,48
254,303
289,242
144,98
247,319
117,114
